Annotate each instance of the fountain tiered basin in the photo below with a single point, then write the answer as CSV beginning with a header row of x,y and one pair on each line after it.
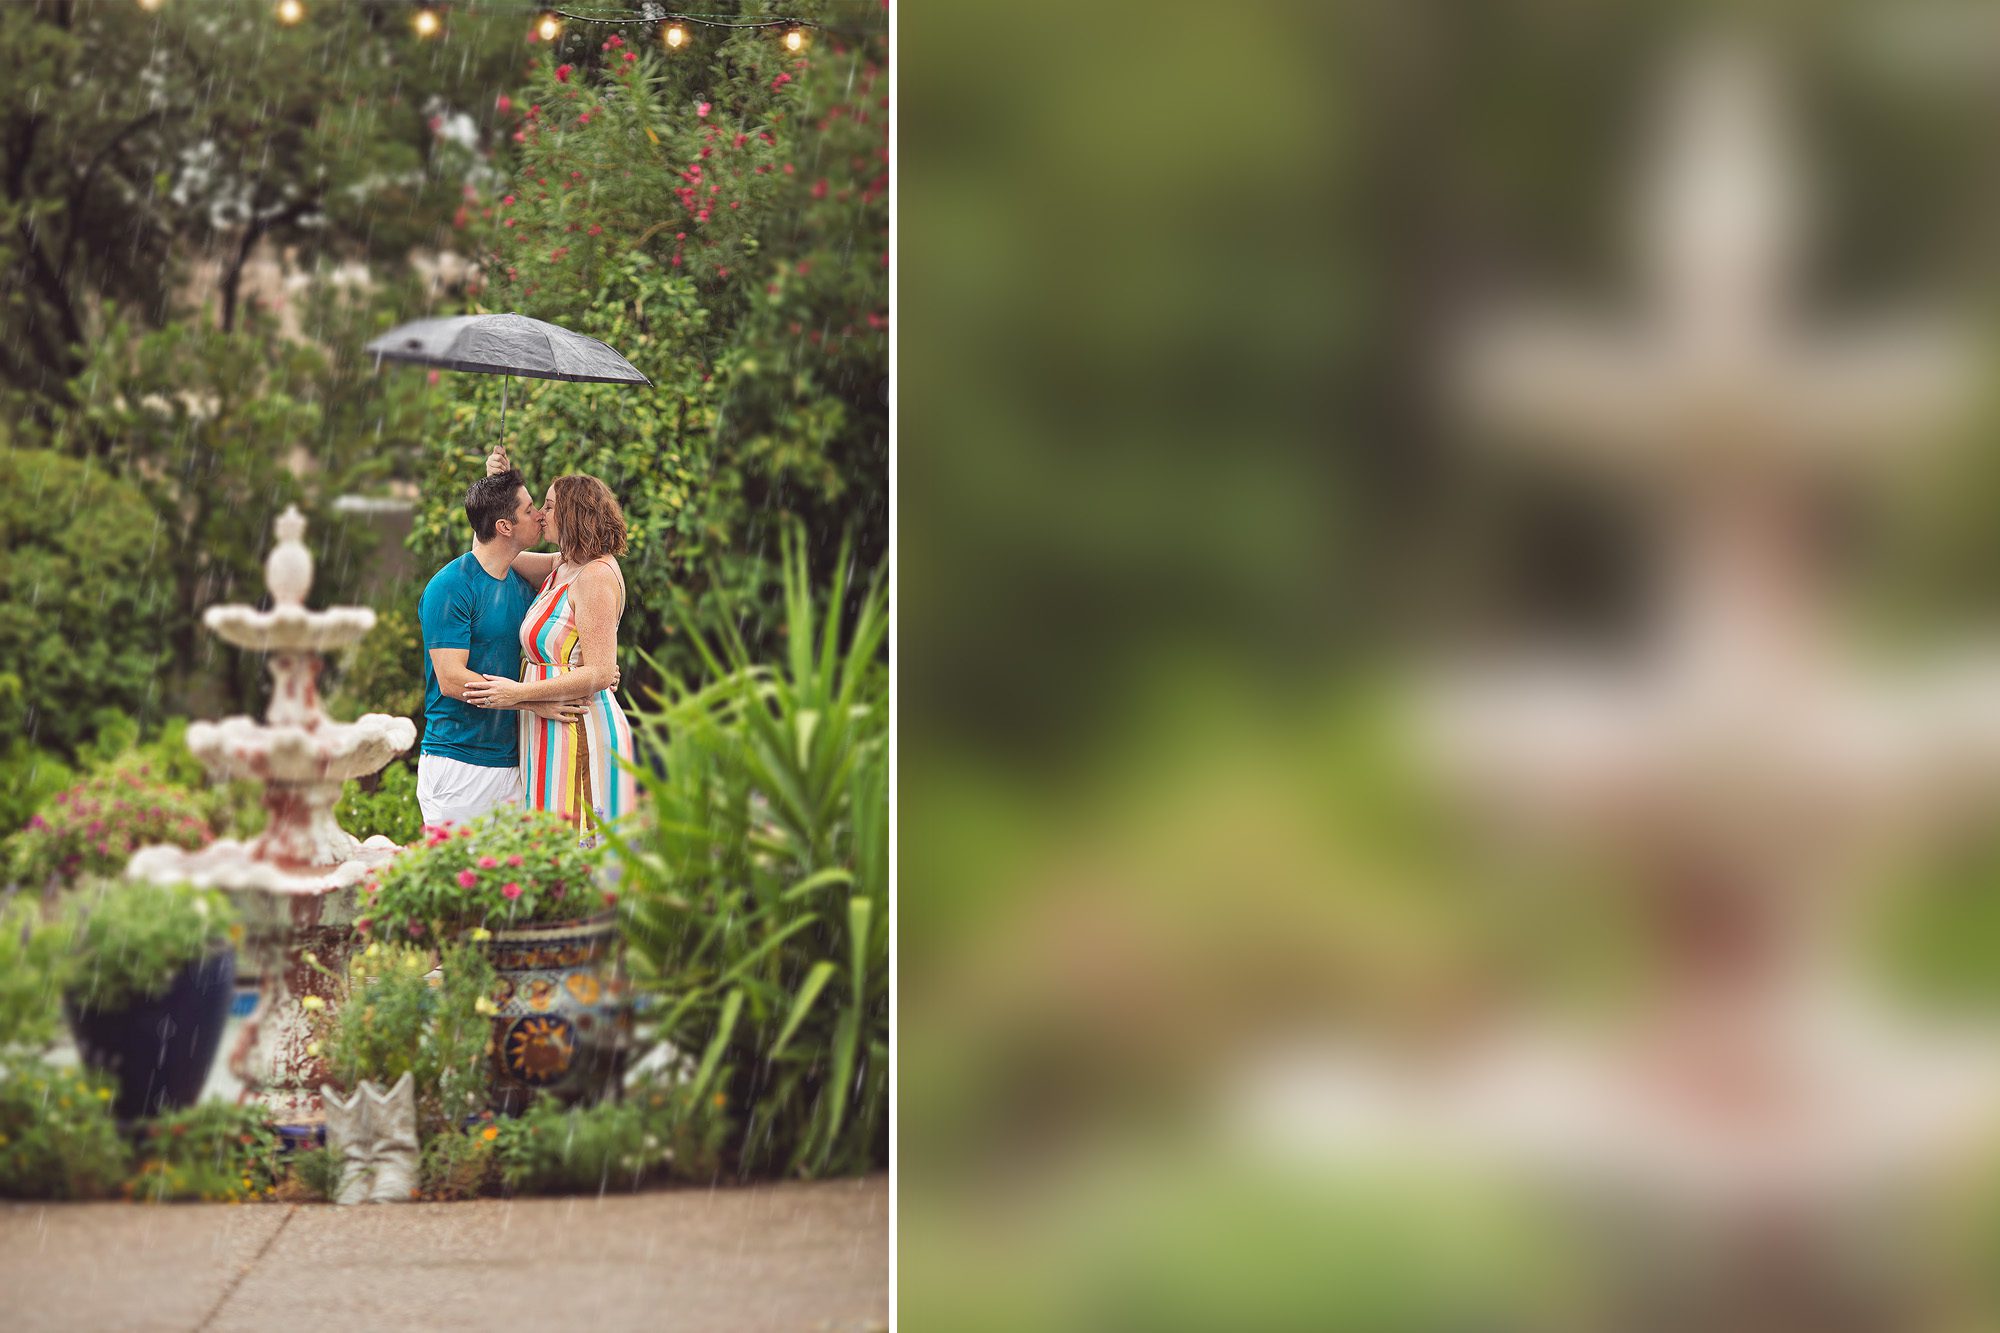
x,y
295,885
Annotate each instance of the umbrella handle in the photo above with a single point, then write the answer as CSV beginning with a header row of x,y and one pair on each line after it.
x,y
503,410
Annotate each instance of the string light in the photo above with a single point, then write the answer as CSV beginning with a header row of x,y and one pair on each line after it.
x,y
290,11
676,37
795,39
550,27
149,5
426,23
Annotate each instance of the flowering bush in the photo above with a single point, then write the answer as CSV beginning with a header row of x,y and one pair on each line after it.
x,y
94,827
57,1137
213,1151
509,869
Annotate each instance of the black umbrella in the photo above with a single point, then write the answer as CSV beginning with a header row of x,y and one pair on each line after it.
x,y
505,345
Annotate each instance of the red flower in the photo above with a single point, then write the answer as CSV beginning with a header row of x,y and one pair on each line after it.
x,y
508,202
819,188
487,863
610,898
510,891
562,73
467,878
594,229
503,104
629,57
416,929
363,924
677,259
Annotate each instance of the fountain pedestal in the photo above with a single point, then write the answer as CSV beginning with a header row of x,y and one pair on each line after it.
x,y
294,885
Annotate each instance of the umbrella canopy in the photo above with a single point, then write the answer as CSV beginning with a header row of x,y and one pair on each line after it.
x,y
505,345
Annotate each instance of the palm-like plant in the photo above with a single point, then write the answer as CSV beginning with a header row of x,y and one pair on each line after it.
x,y
756,903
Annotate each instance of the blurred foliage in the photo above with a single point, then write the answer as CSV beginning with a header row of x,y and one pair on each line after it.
x,y
385,805
553,1149
721,218
57,1137
383,673
393,1021
87,609
757,883
125,941
31,962
212,1152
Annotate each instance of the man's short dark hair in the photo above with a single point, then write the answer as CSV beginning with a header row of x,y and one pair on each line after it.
x,y
491,499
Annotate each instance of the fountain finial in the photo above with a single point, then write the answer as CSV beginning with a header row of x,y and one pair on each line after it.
x,y
288,570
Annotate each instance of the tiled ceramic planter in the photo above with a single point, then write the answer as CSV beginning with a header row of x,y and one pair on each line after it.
x,y
565,1019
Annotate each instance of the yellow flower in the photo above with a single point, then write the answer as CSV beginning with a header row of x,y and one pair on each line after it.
x,y
374,949
3,1140
312,1048
720,1101
486,1006
312,1002
104,1094
490,1133
481,934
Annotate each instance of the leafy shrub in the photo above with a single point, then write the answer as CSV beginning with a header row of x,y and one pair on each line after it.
x,y
314,1176
94,827
383,673
390,809
32,963
212,1151
57,1137
758,890
394,1020
128,940
29,776
511,868
458,1165
552,1150
89,611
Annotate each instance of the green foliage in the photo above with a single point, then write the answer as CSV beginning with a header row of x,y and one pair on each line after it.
x,y
550,1149
737,256
127,940
390,810
317,1172
29,778
393,1021
89,579
31,963
213,1151
757,902
384,672
57,1137
511,868
457,1165
94,827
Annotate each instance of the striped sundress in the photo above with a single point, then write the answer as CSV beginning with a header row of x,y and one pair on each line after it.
x,y
567,766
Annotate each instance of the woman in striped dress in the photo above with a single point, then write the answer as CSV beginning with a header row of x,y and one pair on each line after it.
x,y
571,631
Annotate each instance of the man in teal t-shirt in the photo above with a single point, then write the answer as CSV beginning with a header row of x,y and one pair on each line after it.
x,y
471,613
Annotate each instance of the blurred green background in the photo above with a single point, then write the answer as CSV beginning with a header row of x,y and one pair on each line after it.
x,y
1181,509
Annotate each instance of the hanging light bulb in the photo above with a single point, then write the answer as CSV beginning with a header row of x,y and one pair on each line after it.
x,y
149,5
795,39
675,37
550,27
290,11
426,23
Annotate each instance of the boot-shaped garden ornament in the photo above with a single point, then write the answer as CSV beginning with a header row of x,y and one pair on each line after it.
x,y
392,1125
348,1136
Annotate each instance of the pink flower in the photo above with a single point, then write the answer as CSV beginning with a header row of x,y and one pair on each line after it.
x,y
508,202
514,860
487,863
819,188
416,929
562,73
466,832
629,57
701,109
503,104
595,229
433,378
557,892
510,891
466,879
363,924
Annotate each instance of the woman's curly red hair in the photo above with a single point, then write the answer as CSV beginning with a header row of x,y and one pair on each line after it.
x,y
588,518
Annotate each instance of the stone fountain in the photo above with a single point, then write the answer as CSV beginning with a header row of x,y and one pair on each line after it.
x,y
295,884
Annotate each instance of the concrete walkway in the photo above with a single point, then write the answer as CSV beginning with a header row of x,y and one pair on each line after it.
x,y
793,1257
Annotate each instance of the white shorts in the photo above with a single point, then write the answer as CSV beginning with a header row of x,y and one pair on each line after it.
x,y
451,791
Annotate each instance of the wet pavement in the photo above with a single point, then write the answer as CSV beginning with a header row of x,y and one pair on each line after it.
x,y
789,1256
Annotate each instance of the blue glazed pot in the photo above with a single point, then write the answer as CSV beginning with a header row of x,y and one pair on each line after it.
x,y
565,1014
160,1049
